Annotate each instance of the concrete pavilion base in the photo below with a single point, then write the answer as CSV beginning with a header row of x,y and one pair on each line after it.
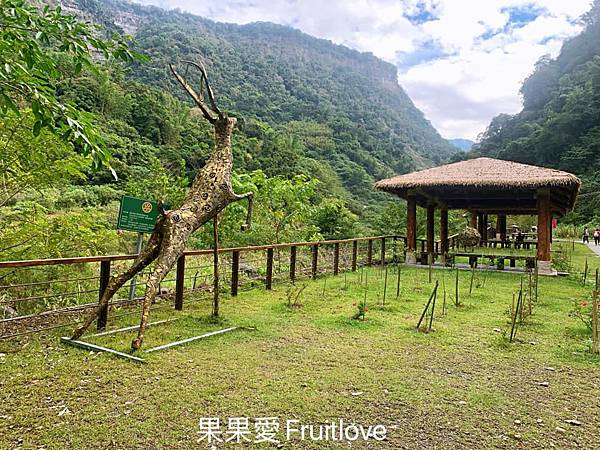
x,y
545,268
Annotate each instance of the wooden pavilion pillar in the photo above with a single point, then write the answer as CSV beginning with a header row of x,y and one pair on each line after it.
x,y
444,233
484,228
501,226
430,233
473,221
543,231
480,225
411,228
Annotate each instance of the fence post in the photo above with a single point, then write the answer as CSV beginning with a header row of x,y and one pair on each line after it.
x,y
336,258
180,283
104,278
235,270
354,254
269,280
315,258
382,251
369,252
293,263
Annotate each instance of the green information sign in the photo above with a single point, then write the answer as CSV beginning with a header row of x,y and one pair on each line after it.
x,y
137,214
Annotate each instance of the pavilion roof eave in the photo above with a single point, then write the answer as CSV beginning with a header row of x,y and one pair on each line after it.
x,y
486,184
499,201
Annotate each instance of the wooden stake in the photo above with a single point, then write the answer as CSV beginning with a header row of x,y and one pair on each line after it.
x,y
427,305
537,279
398,281
385,284
433,306
472,276
429,270
444,288
366,289
513,330
444,304
530,293
595,329
456,299
215,311
521,300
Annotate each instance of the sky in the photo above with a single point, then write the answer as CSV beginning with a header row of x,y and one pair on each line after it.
x,y
461,61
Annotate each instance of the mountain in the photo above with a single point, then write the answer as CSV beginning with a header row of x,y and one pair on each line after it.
x,y
344,107
462,144
559,125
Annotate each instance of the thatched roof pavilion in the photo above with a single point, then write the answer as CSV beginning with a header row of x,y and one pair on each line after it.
x,y
486,186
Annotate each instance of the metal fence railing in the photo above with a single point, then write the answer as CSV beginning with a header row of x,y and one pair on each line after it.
x,y
39,295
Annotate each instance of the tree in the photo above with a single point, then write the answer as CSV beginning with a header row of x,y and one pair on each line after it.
x,y
334,220
29,161
29,69
286,202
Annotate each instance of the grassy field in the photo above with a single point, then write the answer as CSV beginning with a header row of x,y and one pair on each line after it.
x,y
461,386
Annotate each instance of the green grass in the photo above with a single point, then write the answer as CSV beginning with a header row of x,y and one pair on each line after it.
x,y
460,386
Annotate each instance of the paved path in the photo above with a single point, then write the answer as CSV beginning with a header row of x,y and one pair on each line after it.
x,y
595,248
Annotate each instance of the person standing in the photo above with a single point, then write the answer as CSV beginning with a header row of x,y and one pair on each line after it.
x,y
596,236
586,235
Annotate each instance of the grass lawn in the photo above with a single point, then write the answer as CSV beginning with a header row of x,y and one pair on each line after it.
x,y
460,386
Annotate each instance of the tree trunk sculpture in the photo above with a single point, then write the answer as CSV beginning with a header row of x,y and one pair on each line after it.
x,y
210,193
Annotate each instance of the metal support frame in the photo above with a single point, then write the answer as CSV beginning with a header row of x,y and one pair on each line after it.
x,y
98,348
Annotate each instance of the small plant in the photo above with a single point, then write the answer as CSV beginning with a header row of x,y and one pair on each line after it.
x,y
561,259
293,294
587,312
582,310
362,310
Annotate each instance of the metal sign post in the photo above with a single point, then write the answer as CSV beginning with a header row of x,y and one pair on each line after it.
x,y
138,249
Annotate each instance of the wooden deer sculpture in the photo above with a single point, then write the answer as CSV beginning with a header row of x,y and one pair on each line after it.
x,y
210,193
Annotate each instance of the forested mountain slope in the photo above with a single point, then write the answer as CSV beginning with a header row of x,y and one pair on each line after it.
x,y
318,124
559,125
345,107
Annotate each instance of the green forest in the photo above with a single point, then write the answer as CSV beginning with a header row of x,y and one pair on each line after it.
x,y
559,125
317,125
90,112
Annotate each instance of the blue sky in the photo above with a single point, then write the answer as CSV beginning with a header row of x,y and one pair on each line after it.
x,y
461,61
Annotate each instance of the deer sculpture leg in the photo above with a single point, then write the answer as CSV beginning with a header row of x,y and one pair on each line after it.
x,y
148,254
176,235
163,265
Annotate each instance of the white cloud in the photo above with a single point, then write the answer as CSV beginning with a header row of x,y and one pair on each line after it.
x,y
487,55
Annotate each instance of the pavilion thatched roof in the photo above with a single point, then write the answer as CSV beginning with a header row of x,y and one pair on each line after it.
x,y
477,177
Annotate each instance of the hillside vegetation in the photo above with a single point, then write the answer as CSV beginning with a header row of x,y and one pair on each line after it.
x,y
559,125
317,125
